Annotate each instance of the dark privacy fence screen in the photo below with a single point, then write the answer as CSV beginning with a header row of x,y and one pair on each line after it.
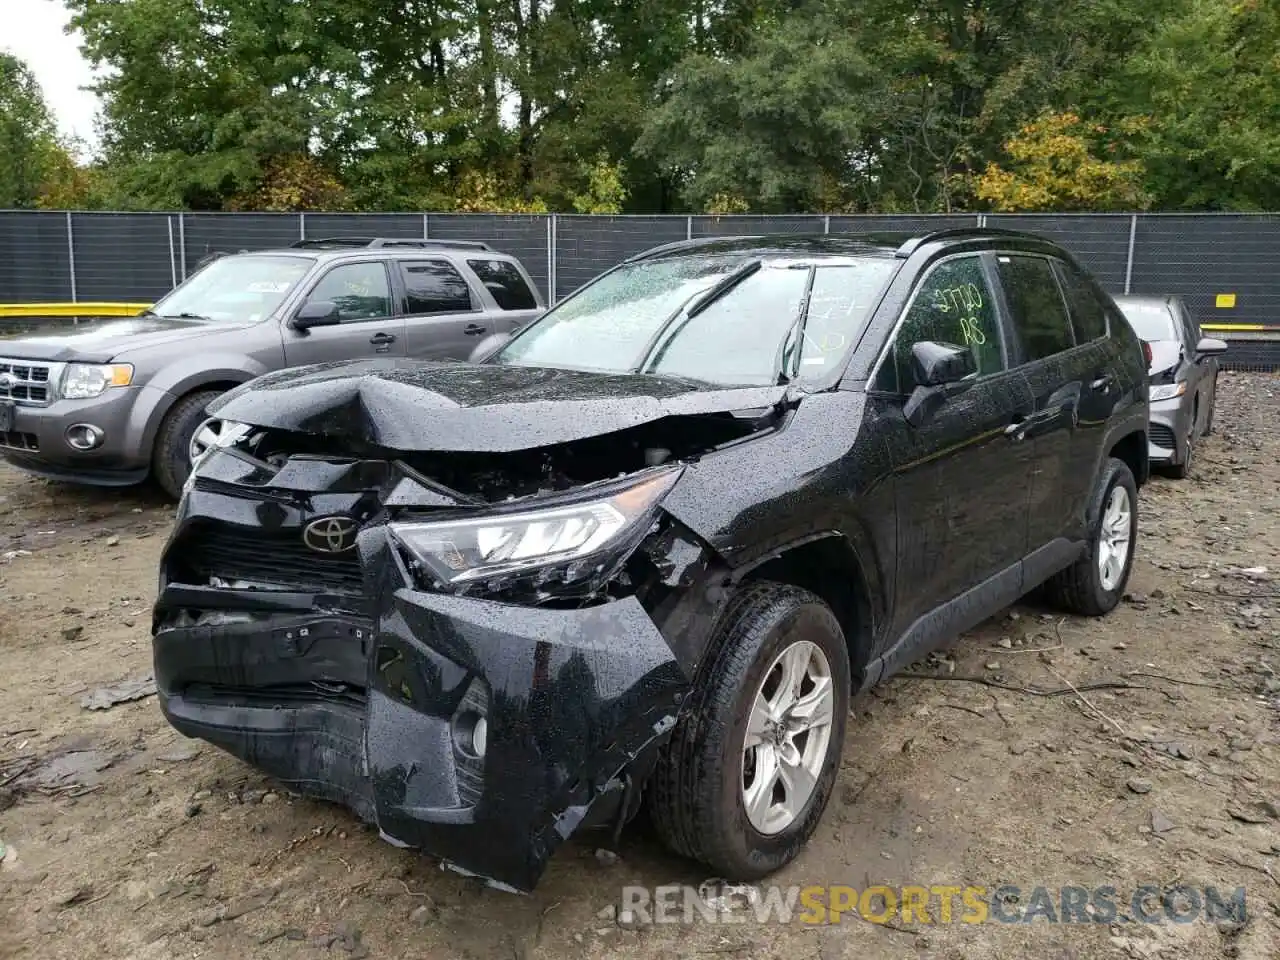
x,y
60,256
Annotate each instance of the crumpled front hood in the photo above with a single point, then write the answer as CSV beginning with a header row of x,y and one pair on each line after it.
x,y
98,341
415,405
1165,357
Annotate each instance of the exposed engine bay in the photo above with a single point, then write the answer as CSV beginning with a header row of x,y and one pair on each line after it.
x,y
496,477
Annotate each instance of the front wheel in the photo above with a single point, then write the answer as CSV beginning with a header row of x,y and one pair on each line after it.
x,y
1094,584
750,767
186,426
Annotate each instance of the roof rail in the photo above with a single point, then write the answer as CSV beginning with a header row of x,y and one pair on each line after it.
x,y
914,244
340,243
684,245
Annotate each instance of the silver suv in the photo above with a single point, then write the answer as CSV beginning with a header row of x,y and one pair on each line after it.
x,y
115,402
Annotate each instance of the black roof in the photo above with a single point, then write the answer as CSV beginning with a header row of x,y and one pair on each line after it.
x,y
897,243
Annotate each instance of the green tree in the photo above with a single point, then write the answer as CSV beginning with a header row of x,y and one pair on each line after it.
x,y
29,148
766,105
1206,88
1054,165
772,126
880,105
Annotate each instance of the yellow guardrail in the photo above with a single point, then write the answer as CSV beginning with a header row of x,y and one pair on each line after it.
x,y
82,309
1233,326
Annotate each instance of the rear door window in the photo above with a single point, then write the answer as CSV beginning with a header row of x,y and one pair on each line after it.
x,y
433,286
1088,312
1036,307
504,282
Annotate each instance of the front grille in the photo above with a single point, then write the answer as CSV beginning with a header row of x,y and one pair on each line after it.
x,y
25,382
279,558
19,441
1160,435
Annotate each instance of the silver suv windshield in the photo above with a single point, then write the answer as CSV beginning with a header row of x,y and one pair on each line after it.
x,y
728,320
246,287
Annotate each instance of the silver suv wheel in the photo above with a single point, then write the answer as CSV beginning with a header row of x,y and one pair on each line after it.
x,y
206,436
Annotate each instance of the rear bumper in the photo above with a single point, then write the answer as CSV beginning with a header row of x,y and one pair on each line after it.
x,y
372,701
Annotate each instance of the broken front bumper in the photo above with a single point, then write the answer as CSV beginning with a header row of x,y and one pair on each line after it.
x,y
479,731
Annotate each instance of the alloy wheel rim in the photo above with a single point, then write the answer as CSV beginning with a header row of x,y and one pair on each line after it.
x,y
1113,538
788,732
206,436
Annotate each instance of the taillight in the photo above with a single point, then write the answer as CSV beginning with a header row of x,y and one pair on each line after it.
x,y
1146,353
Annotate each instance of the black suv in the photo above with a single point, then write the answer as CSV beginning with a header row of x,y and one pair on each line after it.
x,y
649,547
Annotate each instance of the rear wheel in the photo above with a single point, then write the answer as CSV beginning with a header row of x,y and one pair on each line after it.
x,y
1094,584
750,767
186,429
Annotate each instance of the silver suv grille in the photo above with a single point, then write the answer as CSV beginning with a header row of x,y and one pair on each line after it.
x,y
27,381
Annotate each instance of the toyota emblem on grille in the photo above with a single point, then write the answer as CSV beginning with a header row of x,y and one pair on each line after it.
x,y
330,534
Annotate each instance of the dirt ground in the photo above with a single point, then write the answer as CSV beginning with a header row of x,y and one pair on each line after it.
x,y
123,839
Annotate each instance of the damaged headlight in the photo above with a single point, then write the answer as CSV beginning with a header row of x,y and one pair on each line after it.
x,y
568,542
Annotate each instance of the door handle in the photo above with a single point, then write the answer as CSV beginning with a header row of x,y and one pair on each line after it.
x,y
382,339
1017,430
473,329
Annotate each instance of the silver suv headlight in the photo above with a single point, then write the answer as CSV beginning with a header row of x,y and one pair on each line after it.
x,y
82,381
566,542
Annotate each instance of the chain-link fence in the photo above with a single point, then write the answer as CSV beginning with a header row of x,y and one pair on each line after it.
x,y
1227,266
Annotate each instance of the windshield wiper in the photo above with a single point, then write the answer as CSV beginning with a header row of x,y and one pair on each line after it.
x,y
781,360
700,302
722,287
184,315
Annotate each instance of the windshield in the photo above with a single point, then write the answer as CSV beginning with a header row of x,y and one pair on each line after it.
x,y
723,320
1150,321
244,287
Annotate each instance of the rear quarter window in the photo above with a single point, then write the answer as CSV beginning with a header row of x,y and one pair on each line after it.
x,y
505,284
1088,310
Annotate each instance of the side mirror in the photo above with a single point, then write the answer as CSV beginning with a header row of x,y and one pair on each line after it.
x,y
1210,347
935,364
317,313
487,347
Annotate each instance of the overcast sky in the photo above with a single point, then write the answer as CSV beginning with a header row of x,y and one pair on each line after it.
x,y
33,31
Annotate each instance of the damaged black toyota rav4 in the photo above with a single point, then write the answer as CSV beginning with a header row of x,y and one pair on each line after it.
x,y
646,550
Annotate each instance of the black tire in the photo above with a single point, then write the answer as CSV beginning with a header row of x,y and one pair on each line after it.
x,y
696,794
171,456
1079,589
